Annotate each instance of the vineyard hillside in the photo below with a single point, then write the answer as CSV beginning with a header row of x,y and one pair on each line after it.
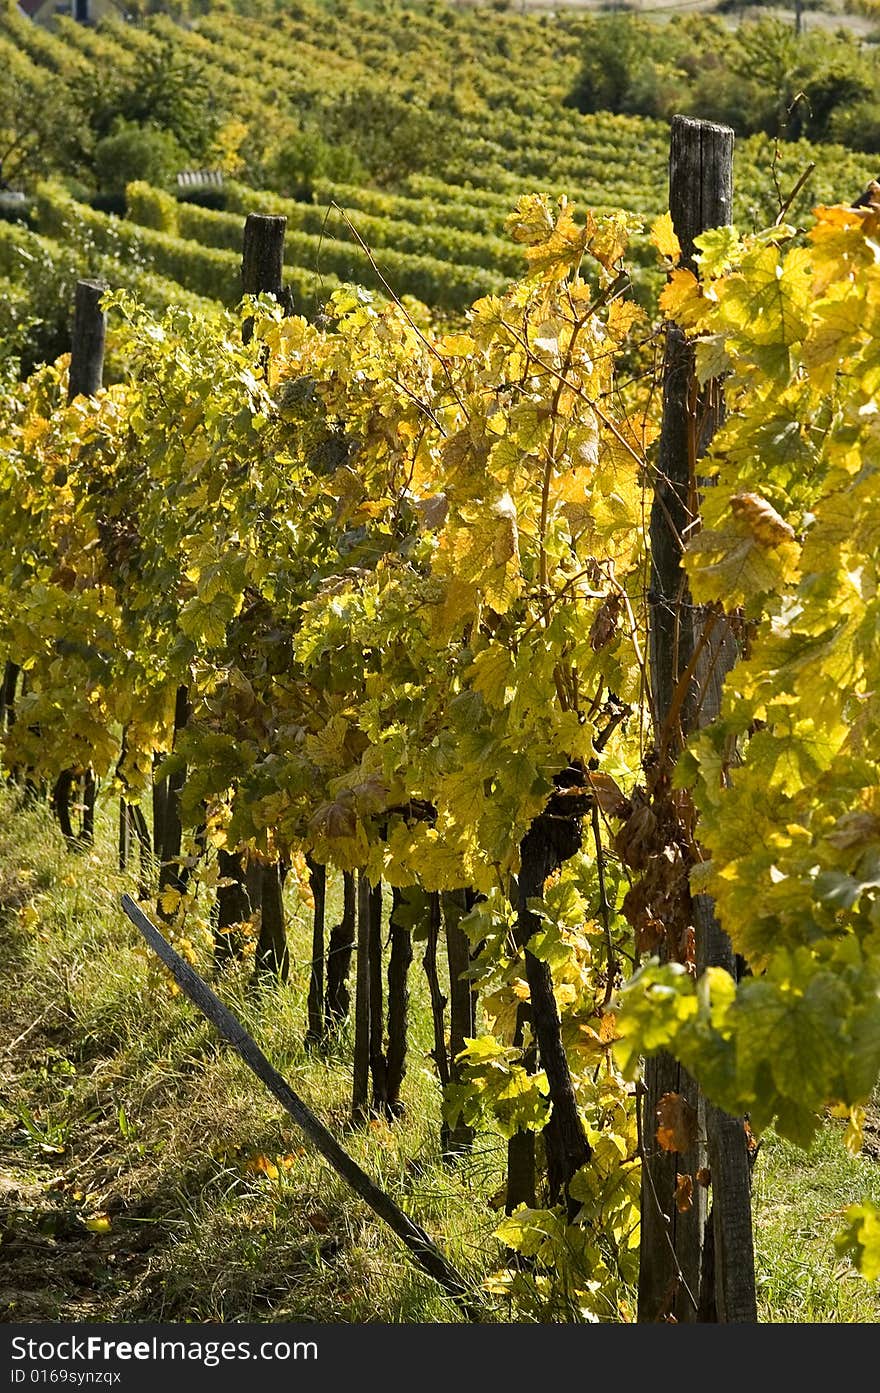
x,y
394,140
439,684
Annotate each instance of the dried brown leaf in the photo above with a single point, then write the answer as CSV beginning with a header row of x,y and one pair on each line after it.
x,y
684,1193
608,794
676,1123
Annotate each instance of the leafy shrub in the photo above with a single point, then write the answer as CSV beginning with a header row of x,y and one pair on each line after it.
x,y
208,272
858,126
39,276
151,207
132,152
392,134
306,158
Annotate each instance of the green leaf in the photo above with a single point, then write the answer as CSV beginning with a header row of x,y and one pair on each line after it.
x,y
860,1240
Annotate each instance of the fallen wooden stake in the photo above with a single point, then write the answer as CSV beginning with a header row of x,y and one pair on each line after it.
x,y
422,1247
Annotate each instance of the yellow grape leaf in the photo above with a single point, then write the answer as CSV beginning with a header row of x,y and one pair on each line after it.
x,y
840,239
531,222
855,1131
609,238
769,300
490,674
461,793
682,299
608,1028
557,254
457,345
762,518
261,1165
169,901
717,250
98,1223
501,1009
440,866
733,564
837,322
505,540
860,1240
625,315
28,916
665,239
711,357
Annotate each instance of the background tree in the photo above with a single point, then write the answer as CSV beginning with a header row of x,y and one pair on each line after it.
x,y
40,128
131,152
168,90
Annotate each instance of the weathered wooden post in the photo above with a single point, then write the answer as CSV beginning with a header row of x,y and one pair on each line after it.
x,y
315,1006
88,341
262,261
689,1272
438,1000
261,273
272,957
399,961
7,694
361,1067
378,1062
85,378
553,837
339,951
462,1006
124,838
233,908
168,849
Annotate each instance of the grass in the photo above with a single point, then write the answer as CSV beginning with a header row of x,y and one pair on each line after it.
x,y
798,1198
148,1176
126,1112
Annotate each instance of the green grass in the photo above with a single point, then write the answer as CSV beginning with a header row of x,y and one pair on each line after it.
x,y
121,1109
123,1103
798,1200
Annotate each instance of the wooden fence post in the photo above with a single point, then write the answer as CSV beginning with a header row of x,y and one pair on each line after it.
x,y
7,694
339,950
462,1006
688,1270
378,1062
262,262
361,1068
89,336
399,962
261,273
168,850
85,378
318,882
